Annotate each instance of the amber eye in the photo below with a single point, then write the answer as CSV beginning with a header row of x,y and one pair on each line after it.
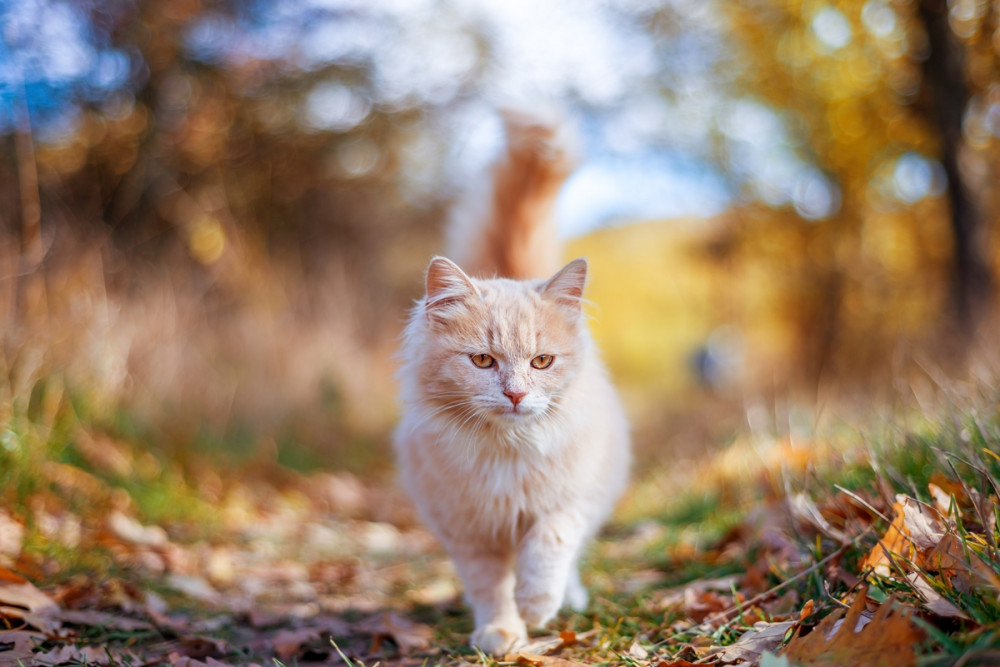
x,y
482,360
542,361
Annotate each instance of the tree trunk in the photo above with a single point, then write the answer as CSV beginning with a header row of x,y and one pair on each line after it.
x,y
945,96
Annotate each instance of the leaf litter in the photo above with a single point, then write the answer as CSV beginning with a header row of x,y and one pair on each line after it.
x,y
329,569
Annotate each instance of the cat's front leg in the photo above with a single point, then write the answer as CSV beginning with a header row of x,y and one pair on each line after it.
x,y
488,577
546,568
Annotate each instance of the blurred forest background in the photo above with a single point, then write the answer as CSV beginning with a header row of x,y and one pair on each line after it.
x,y
214,215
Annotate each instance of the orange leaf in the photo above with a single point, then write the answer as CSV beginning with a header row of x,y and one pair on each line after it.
x,y
964,570
914,529
568,637
888,639
535,660
807,610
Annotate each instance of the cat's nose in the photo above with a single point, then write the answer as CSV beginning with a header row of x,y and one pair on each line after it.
x,y
514,396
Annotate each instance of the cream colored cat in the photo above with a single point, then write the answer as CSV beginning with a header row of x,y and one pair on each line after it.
x,y
513,443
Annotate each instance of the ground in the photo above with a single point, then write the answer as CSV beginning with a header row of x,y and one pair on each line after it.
x,y
765,552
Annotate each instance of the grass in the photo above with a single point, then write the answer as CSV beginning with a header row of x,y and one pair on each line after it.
x,y
725,515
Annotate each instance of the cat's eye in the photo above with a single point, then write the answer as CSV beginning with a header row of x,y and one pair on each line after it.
x,y
542,361
482,360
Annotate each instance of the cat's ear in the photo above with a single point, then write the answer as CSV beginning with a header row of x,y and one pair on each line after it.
x,y
447,285
566,286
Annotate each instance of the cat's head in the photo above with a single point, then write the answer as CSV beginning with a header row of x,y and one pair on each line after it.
x,y
500,350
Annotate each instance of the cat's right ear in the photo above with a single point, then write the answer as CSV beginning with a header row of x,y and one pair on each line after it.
x,y
447,286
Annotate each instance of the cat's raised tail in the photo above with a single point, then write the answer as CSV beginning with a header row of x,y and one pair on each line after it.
x,y
516,236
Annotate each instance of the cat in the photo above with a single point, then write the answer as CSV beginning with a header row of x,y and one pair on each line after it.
x,y
513,443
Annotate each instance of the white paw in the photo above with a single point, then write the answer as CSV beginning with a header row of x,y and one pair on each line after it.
x,y
537,609
498,640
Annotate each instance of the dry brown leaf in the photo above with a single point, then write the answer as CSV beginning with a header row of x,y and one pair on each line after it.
x,y
763,637
195,587
912,530
127,529
287,643
535,660
21,600
804,509
553,643
11,535
18,645
636,651
933,601
202,647
406,634
677,597
965,571
807,610
177,660
888,639
101,619
942,500
88,655
916,539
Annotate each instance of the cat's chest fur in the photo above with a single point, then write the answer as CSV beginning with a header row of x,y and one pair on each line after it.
x,y
504,481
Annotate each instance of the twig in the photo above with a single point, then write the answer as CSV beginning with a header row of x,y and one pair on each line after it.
x,y
771,591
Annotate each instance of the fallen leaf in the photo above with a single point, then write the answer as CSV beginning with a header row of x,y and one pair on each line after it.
x,y
636,650
804,509
839,639
88,655
942,500
679,596
406,634
912,530
11,535
18,645
551,644
771,660
753,643
807,610
195,587
101,619
18,592
934,602
535,660
543,645
287,643
177,660
21,600
962,567
129,530
202,647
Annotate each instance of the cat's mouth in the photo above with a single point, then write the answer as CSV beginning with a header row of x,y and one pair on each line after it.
x,y
520,411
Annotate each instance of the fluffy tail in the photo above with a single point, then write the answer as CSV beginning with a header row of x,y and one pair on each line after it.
x,y
516,237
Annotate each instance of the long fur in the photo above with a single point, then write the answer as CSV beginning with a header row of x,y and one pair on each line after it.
x,y
513,466
517,236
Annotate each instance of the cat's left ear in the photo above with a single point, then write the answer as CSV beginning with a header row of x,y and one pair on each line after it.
x,y
566,286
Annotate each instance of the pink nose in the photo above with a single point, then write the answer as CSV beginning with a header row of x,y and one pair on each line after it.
x,y
514,396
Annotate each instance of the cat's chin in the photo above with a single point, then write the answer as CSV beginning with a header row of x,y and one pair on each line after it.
x,y
519,414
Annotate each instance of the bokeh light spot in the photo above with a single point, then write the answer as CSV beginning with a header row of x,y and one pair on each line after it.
x,y
831,28
334,106
207,240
